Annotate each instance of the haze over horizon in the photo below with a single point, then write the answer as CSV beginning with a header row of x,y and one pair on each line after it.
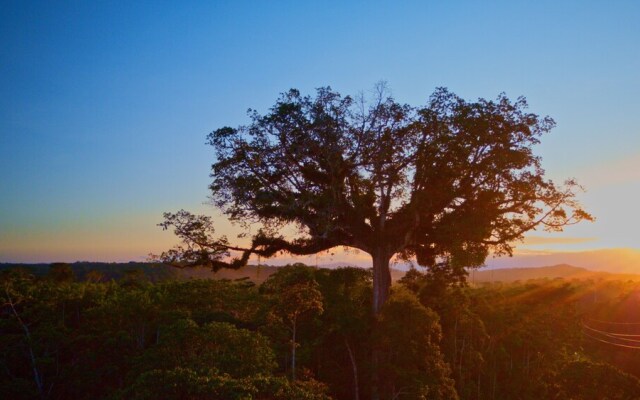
x,y
104,110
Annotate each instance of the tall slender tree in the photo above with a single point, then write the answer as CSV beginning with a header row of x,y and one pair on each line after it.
x,y
450,180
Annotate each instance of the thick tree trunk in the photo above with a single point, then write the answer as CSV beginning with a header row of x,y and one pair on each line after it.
x,y
381,280
381,289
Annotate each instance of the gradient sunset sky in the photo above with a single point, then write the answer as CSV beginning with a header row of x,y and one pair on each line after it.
x,y
105,106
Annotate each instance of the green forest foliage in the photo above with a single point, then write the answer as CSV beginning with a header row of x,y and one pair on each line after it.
x,y
308,333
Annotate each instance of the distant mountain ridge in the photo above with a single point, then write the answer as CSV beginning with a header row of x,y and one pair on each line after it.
x,y
564,271
617,261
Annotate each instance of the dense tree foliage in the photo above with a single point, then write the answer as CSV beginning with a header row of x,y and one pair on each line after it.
x,y
435,338
408,340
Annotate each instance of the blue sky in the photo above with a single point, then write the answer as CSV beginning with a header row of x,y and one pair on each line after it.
x,y
105,106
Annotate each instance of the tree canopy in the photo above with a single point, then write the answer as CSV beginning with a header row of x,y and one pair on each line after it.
x,y
450,181
205,338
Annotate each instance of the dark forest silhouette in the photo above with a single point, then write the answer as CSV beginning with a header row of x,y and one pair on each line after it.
x,y
199,339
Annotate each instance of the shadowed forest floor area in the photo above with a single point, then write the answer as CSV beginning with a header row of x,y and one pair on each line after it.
x,y
135,337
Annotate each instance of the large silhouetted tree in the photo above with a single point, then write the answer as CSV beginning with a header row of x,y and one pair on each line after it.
x,y
451,180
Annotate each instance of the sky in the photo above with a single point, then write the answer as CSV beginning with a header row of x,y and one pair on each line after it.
x,y
105,106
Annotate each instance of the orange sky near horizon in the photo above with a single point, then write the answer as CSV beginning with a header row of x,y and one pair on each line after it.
x,y
612,192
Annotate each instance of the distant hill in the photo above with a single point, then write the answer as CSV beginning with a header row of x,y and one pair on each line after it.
x,y
551,272
617,261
